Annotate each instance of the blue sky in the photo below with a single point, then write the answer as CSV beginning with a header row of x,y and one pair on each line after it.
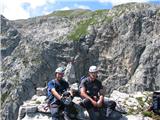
x,y
23,9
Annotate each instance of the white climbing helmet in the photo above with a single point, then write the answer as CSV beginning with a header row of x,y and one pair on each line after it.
x,y
59,70
93,69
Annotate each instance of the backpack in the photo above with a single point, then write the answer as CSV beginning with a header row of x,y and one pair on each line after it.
x,y
76,92
156,102
82,78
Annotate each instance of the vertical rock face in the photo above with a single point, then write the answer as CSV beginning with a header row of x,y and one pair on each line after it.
x,y
9,39
125,45
132,51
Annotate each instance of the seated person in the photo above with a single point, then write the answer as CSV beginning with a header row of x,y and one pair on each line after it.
x,y
91,91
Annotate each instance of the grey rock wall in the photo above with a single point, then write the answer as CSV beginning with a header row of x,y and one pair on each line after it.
x,y
125,49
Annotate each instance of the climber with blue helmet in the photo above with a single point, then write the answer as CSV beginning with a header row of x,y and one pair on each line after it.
x,y
56,88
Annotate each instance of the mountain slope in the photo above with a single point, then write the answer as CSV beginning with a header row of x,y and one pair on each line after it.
x,y
123,42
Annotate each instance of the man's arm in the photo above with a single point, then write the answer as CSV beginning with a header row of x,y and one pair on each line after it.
x,y
100,101
84,94
55,93
101,98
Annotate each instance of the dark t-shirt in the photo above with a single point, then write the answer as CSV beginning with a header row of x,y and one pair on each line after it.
x,y
92,87
60,87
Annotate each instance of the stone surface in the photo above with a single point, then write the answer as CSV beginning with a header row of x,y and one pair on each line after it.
x,y
123,42
134,103
35,108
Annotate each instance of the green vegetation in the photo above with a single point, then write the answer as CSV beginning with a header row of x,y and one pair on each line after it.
x,y
109,19
81,29
69,13
103,15
144,112
89,18
131,111
61,13
100,12
147,113
4,96
151,114
158,12
38,102
140,100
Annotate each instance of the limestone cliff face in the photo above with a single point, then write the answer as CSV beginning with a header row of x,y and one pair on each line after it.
x,y
123,42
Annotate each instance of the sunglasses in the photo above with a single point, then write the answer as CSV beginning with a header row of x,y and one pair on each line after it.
x,y
60,73
93,72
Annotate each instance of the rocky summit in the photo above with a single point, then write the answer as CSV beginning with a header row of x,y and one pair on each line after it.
x,y
123,42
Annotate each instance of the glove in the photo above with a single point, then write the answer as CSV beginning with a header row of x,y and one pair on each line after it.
x,y
66,94
66,100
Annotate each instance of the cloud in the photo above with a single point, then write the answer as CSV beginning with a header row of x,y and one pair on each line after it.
x,y
75,6
117,2
13,9
23,9
81,6
46,11
65,8
37,3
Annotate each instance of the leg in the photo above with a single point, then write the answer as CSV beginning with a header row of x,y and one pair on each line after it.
x,y
66,116
101,114
70,111
110,104
90,109
109,107
92,114
54,112
110,112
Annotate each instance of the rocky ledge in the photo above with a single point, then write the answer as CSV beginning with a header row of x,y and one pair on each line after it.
x,y
134,105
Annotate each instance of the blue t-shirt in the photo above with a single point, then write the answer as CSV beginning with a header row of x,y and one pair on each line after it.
x,y
60,87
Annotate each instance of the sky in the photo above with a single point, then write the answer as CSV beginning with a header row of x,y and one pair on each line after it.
x,y
23,9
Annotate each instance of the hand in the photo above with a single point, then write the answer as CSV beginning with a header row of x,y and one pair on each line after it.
x,y
99,103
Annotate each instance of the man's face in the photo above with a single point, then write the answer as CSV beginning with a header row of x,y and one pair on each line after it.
x,y
59,76
93,75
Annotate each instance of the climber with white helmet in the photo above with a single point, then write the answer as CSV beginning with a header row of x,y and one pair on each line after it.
x,y
56,88
92,93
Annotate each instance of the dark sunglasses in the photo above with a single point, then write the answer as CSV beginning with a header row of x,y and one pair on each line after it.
x,y
61,73
93,72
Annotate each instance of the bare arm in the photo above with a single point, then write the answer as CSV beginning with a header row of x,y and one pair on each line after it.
x,y
84,94
101,98
55,93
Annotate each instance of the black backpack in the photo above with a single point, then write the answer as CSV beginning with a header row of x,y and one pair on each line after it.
x,y
156,102
77,92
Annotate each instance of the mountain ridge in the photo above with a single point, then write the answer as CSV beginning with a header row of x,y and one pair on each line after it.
x,y
123,44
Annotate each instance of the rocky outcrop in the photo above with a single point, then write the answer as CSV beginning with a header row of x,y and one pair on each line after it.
x,y
123,43
9,39
37,108
133,104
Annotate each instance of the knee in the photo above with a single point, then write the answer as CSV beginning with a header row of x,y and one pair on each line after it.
x,y
54,113
111,104
86,103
